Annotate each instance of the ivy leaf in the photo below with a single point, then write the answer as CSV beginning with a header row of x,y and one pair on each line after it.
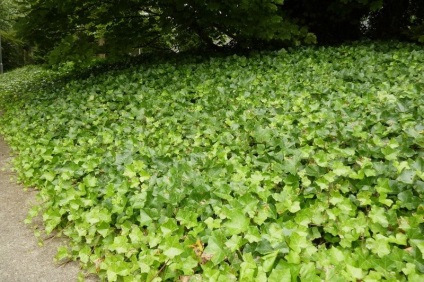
x,y
341,170
419,244
307,272
171,247
216,248
234,243
136,235
168,227
52,218
49,176
378,215
408,200
268,261
90,181
354,272
407,176
115,266
379,245
280,275
298,242
389,153
144,218
247,268
321,159
238,223
62,253
120,245
84,254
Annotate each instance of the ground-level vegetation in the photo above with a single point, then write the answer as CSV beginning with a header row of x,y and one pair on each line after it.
x,y
293,164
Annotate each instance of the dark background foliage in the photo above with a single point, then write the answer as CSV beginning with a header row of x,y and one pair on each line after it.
x,y
14,51
59,31
398,19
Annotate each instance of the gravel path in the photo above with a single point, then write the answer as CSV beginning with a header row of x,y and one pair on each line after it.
x,y
21,259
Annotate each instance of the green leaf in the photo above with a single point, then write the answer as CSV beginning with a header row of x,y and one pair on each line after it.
x,y
379,245
298,242
308,272
340,170
173,252
52,219
407,176
321,159
409,200
418,244
234,243
247,268
378,215
295,207
84,254
216,248
238,223
49,176
268,261
144,218
390,153
62,253
168,227
120,245
136,235
90,181
354,272
280,275
115,265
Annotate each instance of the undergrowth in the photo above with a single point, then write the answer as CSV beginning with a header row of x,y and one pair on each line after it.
x,y
279,166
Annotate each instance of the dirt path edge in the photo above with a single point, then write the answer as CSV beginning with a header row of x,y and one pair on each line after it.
x,y
21,258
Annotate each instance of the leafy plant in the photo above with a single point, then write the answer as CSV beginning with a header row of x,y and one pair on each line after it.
x,y
301,164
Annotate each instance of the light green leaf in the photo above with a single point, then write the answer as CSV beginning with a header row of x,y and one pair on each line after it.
x,y
280,275
407,176
378,215
216,248
379,245
238,223
173,252
419,244
354,272
268,261
341,170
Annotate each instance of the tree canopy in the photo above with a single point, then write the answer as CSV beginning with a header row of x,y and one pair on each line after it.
x,y
12,46
78,30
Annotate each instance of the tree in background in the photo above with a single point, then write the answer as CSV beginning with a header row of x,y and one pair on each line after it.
x,y
14,53
398,19
77,30
333,21
72,29
243,24
7,8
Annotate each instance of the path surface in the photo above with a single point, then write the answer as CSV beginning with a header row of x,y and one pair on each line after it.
x,y
21,259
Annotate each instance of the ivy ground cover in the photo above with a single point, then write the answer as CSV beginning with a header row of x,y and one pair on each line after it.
x,y
302,165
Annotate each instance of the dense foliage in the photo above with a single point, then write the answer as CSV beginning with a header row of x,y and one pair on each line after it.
x,y
292,164
333,20
7,8
398,19
79,30
13,49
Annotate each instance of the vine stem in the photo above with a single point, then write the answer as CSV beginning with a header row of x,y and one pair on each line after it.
x,y
159,271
